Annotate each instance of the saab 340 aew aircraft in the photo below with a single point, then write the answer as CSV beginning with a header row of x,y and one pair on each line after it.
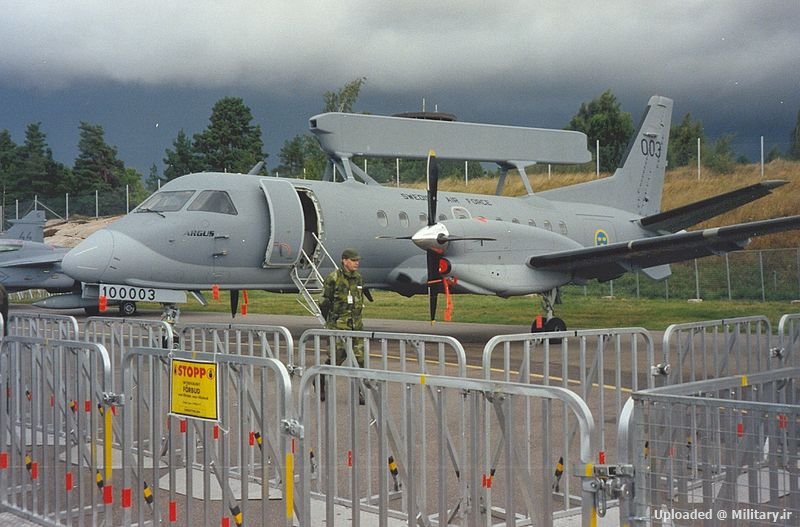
x,y
241,231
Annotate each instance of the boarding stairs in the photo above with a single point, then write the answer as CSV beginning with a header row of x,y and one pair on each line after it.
x,y
308,279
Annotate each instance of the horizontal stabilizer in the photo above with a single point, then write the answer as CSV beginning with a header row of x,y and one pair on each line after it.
x,y
609,261
682,217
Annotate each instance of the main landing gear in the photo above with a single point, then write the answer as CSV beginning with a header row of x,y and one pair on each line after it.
x,y
551,323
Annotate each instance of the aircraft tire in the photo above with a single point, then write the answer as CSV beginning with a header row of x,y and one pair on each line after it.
x,y
91,311
555,324
127,309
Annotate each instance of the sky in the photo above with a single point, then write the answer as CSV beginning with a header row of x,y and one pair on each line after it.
x,y
146,69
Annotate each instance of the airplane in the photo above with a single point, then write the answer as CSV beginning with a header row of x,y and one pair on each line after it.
x,y
241,231
26,262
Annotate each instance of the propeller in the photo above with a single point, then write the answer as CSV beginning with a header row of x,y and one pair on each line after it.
x,y
433,256
434,237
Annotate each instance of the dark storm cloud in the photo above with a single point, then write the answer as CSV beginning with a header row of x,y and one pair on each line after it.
x,y
520,62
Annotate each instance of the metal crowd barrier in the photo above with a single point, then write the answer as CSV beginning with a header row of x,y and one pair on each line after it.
x,y
404,352
221,472
789,340
118,335
55,431
241,339
715,452
423,488
42,325
716,348
602,366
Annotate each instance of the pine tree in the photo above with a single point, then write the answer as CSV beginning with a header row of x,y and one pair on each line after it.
x,y
182,160
97,166
230,143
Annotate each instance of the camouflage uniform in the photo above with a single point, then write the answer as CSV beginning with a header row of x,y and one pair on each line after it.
x,y
342,304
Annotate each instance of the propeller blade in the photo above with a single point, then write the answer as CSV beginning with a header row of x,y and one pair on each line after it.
x,y
433,288
234,302
433,186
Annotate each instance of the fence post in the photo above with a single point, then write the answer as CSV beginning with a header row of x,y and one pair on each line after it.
x,y
761,273
697,279
96,204
728,274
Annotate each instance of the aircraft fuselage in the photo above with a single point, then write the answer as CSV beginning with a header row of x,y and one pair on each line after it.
x,y
254,244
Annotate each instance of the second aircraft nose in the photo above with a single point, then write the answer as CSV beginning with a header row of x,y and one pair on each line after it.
x,y
89,260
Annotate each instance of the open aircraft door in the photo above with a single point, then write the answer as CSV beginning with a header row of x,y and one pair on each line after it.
x,y
286,223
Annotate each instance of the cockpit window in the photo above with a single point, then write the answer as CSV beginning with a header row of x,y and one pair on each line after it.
x,y
165,201
213,201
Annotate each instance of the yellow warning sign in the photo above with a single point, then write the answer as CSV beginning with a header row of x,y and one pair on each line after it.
x,y
194,389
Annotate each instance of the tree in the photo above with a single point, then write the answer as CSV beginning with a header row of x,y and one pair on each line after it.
x,y
97,166
682,149
230,143
603,120
794,141
302,156
720,155
153,181
182,160
345,98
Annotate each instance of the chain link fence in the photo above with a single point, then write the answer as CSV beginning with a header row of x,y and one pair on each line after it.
x,y
766,275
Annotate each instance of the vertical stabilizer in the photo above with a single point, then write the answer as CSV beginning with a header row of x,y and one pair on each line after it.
x,y
636,186
30,227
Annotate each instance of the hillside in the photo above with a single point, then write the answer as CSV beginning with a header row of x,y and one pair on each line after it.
x,y
681,187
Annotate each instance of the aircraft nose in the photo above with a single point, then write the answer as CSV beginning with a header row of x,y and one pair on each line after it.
x,y
89,260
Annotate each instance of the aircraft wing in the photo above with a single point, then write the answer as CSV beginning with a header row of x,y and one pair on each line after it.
x,y
678,219
41,260
609,261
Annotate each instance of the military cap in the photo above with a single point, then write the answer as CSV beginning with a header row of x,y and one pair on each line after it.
x,y
350,254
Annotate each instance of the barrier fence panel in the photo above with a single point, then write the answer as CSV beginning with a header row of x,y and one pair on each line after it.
x,y
716,348
120,334
602,366
210,415
418,353
716,452
42,325
422,488
55,431
789,340
241,339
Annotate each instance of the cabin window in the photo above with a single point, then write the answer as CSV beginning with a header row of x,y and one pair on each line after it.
x,y
165,201
499,218
563,227
548,225
403,220
383,219
213,201
514,220
423,218
442,217
532,223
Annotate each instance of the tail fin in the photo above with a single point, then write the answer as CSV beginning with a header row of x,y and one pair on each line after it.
x,y
636,185
30,227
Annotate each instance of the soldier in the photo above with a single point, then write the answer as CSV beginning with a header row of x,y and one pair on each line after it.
x,y
343,301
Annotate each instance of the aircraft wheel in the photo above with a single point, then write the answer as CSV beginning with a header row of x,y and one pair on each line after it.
x,y
555,324
92,311
127,309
